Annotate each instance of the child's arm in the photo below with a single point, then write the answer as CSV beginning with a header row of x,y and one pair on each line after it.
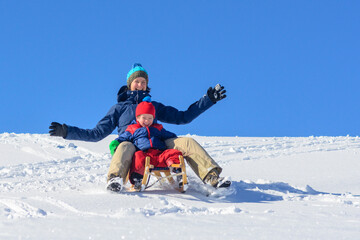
x,y
125,136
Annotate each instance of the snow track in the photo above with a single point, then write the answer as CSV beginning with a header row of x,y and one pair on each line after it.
x,y
19,209
282,187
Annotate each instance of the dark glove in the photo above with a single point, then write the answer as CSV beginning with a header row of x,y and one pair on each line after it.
x,y
58,130
217,93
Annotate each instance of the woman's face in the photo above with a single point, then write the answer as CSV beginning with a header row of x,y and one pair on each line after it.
x,y
138,84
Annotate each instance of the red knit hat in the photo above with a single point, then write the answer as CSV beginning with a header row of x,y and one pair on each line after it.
x,y
145,108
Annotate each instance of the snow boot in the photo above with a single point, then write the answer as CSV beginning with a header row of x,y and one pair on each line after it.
x,y
137,184
215,180
179,178
136,179
115,184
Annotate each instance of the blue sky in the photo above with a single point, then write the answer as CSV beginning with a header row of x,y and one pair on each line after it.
x,y
290,68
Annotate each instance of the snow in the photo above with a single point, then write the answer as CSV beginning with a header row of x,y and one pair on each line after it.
x,y
283,188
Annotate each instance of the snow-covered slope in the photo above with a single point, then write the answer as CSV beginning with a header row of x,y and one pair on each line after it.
x,y
283,188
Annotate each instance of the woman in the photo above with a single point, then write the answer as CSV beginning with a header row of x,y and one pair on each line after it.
x,y
123,113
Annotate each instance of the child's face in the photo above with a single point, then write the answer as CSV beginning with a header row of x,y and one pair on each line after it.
x,y
145,120
138,84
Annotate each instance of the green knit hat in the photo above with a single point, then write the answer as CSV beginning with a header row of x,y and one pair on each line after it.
x,y
137,71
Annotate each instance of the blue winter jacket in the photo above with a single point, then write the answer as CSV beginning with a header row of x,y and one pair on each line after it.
x,y
123,113
145,138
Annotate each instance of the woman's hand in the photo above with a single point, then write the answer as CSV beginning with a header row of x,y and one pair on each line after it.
x,y
217,93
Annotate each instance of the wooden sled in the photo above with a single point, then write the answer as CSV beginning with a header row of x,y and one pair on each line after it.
x,y
164,173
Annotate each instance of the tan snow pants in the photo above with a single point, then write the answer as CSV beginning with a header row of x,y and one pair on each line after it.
x,y
196,157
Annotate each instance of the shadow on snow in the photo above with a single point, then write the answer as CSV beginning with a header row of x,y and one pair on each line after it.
x,y
240,192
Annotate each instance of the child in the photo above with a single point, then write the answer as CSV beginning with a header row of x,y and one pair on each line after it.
x,y
148,137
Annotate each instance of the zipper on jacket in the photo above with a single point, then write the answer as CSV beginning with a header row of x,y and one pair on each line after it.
x,y
148,130
139,96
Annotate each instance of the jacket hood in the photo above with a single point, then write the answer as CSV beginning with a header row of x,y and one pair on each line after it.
x,y
124,94
121,95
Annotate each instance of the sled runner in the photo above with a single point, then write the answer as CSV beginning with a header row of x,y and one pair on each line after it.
x,y
176,173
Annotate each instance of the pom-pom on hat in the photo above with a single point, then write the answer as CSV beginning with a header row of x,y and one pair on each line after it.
x,y
136,71
145,107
